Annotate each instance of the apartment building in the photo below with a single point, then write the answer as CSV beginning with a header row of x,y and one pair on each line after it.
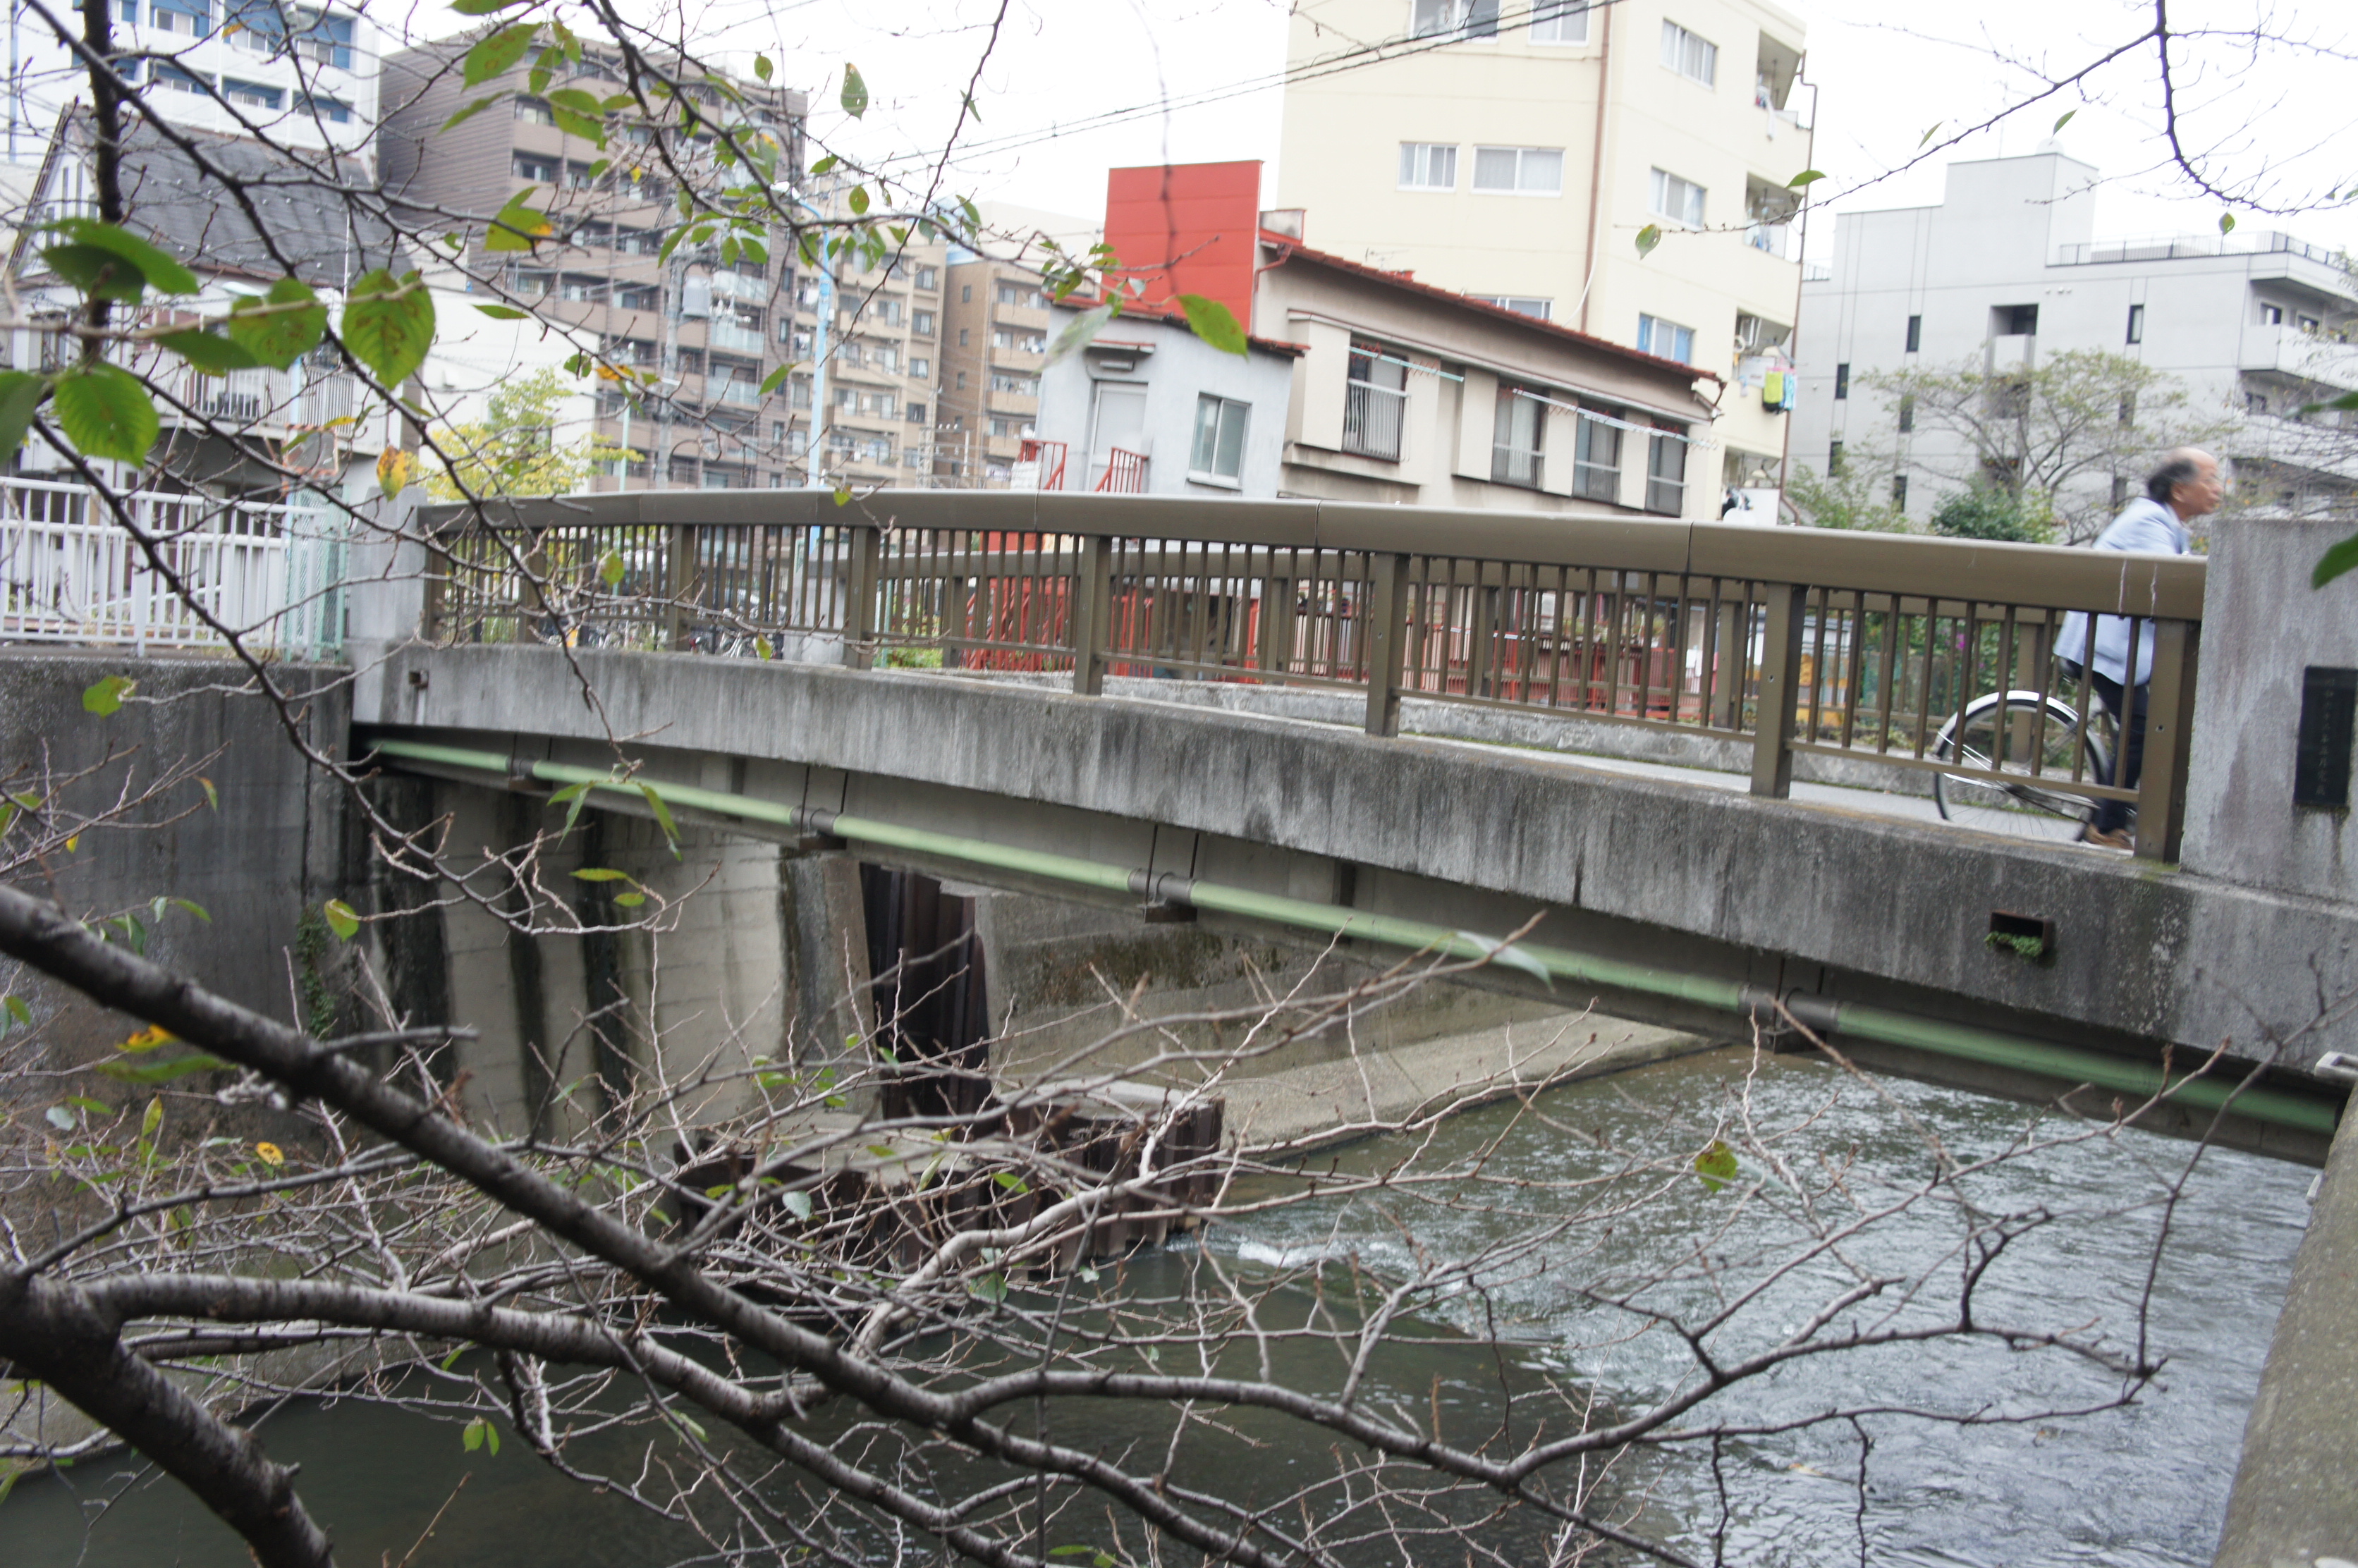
x,y
303,76
710,330
867,341
2007,271
1514,152
997,326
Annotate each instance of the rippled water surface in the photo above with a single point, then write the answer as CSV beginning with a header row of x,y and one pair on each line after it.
x,y
2133,1486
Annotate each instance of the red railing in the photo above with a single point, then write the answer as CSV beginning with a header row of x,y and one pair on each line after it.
x,y
1125,474
1049,456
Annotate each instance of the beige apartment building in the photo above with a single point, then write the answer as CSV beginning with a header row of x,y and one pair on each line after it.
x,y
1525,144
708,329
878,361
995,337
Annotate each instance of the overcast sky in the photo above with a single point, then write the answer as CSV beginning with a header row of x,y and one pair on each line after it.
x,y
2278,114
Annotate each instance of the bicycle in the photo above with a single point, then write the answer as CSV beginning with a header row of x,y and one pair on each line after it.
x,y
2014,801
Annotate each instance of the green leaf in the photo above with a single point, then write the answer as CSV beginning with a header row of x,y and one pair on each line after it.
x,y
858,200
162,270
341,919
1927,138
153,1119
210,353
2064,119
282,326
991,1287
97,271
496,53
1012,1183
389,324
763,66
777,378
609,567
504,312
600,874
151,1073
581,103
212,795
578,124
472,110
196,909
798,1204
688,1424
662,815
517,225
19,1013
827,165
1648,238
21,397
471,1435
855,93
2347,403
105,697
2341,559
1806,178
107,413
1212,321
452,1359
1078,332
481,7
2226,222
629,900
1716,1165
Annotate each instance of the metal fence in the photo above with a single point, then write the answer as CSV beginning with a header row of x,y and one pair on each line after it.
x,y
1904,652
70,573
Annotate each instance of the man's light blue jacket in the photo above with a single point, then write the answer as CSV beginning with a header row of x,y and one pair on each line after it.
x,y
2150,528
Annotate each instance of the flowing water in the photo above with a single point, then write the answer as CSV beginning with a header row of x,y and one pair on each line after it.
x,y
2128,1487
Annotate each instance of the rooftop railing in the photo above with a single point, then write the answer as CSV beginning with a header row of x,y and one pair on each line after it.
x,y
2184,247
1868,647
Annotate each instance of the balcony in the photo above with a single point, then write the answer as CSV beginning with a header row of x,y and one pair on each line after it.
x,y
735,394
2302,356
729,338
731,285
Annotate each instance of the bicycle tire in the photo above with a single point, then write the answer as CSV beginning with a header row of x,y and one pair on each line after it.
x,y
2020,808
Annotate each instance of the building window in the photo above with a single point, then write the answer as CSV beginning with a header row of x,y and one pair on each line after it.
x,y
189,18
1915,333
1375,400
927,277
2255,403
1833,460
1525,171
334,110
2305,323
1515,436
920,367
532,112
1023,295
2136,324
2271,315
916,413
1018,385
1693,58
1428,166
251,94
1666,475
1474,18
1020,340
173,78
966,294
924,324
2128,409
1560,22
1907,414
539,170
1679,201
1596,460
1665,339
1899,492
1521,305
1842,381
2014,320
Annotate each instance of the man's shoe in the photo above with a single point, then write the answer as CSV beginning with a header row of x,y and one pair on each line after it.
x,y
2118,839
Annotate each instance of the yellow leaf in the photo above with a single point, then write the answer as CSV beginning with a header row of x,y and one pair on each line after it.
x,y
271,1154
394,468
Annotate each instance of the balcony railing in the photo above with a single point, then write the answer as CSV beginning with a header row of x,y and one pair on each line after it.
x,y
1372,419
1859,646
2183,247
730,338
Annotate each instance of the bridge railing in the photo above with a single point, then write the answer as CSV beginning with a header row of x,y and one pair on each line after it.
x,y
1863,647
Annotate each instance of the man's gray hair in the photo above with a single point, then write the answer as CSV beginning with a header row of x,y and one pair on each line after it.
x,y
2180,467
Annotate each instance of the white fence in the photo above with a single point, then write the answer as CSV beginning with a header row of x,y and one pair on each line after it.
x,y
70,573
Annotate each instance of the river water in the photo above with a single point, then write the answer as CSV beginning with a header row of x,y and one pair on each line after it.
x,y
2140,1485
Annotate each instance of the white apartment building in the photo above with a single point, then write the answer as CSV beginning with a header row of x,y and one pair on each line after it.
x,y
2007,270
1514,150
303,76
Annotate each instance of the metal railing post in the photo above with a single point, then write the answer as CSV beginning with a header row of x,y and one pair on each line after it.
x,y
2168,737
1092,612
1780,673
434,608
680,546
864,547
1387,633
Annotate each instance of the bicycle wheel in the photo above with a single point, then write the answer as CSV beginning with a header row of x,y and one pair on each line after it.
x,y
2013,802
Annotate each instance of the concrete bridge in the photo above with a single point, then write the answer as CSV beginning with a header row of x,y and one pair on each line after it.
x,y
1135,703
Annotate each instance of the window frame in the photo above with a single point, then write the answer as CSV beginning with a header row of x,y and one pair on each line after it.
x,y
1647,326
1675,40
1220,409
1560,12
2136,323
1419,154
1663,184
1660,444
1514,398
1519,187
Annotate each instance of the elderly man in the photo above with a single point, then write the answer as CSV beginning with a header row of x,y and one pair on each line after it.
x,y
2186,486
